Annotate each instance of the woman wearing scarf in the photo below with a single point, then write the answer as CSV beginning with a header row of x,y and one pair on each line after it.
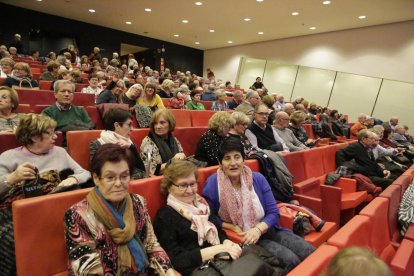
x,y
161,145
118,125
109,232
185,225
243,202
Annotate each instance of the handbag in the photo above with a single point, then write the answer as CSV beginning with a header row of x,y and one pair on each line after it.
x,y
251,262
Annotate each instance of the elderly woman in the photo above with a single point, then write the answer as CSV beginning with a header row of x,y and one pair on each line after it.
x,y
118,125
185,226
150,99
160,145
6,67
241,123
39,162
297,118
220,104
93,87
21,77
178,100
113,92
219,126
166,89
242,201
9,101
195,104
109,232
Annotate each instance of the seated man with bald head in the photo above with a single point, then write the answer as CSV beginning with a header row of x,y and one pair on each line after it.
x,y
391,124
289,108
281,124
263,135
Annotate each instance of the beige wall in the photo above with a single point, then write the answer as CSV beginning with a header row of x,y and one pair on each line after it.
x,y
385,51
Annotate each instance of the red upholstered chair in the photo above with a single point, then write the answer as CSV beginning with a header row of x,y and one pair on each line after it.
x,y
189,137
38,108
137,135
296,165
393,194
403,262
149,188
313,162
379,235
309,131
404,181
355,232
410,172
78,145
200,118
328,156
83,99
45,85
24,108
80,86
38,223
315,263
207,104
165,101
95,116
9,141
33,97
182,117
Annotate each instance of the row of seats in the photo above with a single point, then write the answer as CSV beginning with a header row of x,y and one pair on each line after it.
x,y
375,227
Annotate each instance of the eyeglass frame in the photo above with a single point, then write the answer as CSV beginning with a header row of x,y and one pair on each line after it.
x,y
126,179
184,187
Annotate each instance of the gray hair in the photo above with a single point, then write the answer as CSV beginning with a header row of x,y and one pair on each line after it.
x,y
58,83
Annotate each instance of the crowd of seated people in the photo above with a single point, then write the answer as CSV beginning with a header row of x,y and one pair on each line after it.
x,y
143,89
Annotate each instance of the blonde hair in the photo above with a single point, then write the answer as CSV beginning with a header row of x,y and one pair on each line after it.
x,y
32,125
23,66
220,120
167,84
240,118
14,97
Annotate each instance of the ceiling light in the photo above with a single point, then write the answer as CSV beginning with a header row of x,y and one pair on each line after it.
x,y
229,42
295,13
362,16
247,19
211,31
259,0
147,9
326,2
184,21
197,42
176,35
39,0
312,28
198,3
128,22
91,10
260,33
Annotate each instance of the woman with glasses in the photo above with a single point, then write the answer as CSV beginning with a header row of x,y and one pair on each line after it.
x,y
112,93
109,232
21,77
242,201
9,101
117,130
150,98
38,161
160,147
185,226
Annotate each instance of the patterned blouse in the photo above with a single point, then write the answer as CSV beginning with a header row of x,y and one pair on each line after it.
x,y
89,244
207,147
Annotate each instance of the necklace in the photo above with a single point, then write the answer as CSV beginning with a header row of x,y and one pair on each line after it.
x,y
42,153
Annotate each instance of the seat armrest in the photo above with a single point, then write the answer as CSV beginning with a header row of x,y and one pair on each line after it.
x,y
313,203
348,185
233,236
286,221
306,186
331,203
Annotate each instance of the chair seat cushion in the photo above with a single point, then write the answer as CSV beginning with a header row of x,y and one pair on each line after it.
x,y
352,200
318,238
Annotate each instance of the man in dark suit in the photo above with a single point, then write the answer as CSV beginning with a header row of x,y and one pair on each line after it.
x,y
391,124
359,158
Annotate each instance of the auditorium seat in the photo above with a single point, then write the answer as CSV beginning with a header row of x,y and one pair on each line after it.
x,y
404,181
94,116
355,232
207,104
200,118
78,145
189,137
24,108
182,117
44,97
403,262
38,108
45,85
137,135
393,194
79,86
313,161
39,235
166,102
315,263
295,164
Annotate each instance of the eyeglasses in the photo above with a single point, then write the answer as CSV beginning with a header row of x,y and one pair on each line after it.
x,y
112,179
184,187
262,113
50,133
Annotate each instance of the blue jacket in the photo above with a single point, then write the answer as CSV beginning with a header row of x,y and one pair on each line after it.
x,y
263,191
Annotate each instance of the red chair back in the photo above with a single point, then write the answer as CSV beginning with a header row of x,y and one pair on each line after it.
x,y
200,118
78,145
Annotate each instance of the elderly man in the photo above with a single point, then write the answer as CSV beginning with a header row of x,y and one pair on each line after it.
x,y
289,108
364,160
247,107
359,125
237,100
263,135
280,102
281,125
67,116
393,122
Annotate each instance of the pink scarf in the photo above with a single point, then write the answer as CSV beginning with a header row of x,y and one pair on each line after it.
x,y
236,206
198,215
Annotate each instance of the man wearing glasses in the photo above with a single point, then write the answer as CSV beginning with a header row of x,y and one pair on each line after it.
x,y
281,124
247,107
263,135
